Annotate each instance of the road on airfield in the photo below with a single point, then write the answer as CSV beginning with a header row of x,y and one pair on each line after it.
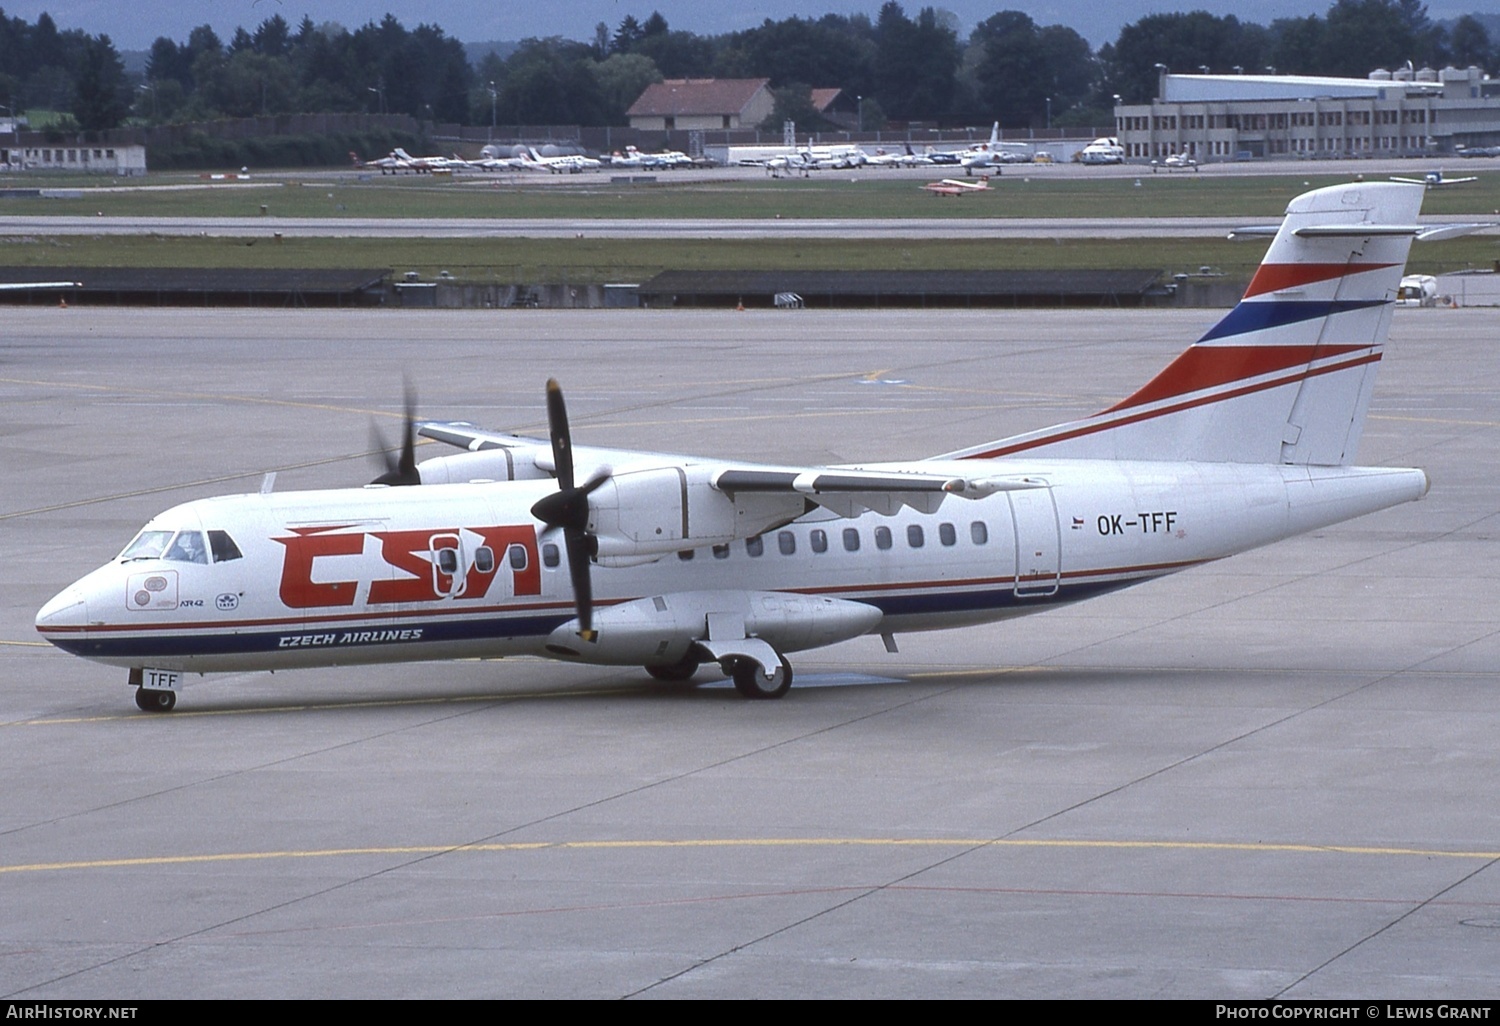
x,y
1269,777
1113,227
625,228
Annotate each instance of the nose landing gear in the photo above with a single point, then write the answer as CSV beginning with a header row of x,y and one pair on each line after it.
x,y
155,701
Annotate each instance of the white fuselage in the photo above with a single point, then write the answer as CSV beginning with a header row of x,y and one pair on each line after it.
x,y
357,575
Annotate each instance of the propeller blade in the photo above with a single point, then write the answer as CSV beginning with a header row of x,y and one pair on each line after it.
x,y
579,553
562,440
568,508
400,470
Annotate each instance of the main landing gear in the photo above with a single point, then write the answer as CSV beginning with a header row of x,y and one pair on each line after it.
x,y
155,701
749,678
752,681
675,673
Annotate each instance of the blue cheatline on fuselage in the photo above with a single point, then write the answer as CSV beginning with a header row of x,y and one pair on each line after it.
x,y
534,626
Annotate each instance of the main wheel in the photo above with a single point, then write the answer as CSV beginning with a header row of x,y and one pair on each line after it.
x,y
752,681
155,701
675,673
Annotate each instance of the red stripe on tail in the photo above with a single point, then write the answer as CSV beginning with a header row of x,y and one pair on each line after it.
x,y
1275,277
1207,366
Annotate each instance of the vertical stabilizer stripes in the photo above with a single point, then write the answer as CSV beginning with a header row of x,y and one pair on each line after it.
x,y
1284,377
1276,277
1248,318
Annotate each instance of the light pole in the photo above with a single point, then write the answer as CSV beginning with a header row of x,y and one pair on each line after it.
x,y
493,93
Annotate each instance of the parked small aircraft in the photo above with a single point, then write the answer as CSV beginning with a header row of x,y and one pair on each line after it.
x,y
398,161
568,164
880,158
390,164
663,160
519,545
1433,180
981,155
1175,162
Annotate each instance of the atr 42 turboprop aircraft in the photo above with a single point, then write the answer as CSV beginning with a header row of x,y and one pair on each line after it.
x,y
522,545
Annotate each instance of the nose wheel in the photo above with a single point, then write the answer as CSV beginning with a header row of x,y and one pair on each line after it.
x,y
155,701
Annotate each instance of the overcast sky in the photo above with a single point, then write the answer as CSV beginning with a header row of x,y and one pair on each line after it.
x,y
472,21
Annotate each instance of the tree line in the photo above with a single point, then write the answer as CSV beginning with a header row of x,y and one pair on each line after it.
x,y
903,68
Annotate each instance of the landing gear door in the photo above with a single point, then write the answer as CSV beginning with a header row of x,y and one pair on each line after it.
x,y
1038,553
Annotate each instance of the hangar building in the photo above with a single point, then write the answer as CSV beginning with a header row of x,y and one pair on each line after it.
x,y
1405,113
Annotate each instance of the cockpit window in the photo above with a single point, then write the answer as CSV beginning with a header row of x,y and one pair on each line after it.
x,y
187,547
223,546
147,545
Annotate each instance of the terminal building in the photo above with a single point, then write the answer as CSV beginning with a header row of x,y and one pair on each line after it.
x,y
1406,113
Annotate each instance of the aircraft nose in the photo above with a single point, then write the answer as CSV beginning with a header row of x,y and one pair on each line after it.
x,y
67,610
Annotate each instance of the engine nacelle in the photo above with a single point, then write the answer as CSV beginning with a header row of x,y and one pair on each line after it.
x,y
664,509
664,628
496,464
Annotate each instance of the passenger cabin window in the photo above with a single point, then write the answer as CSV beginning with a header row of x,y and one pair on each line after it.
x,y
685,555
755,546
721,551
517,558
550,556
914,536
786,541
851,539
484,559
978,533
223,546
447,561
818,539
947,535
882,537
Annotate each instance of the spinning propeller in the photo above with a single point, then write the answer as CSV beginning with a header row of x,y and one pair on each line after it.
x,y
568,509
400,470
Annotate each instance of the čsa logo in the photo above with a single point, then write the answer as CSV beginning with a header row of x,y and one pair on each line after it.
x,y
404,566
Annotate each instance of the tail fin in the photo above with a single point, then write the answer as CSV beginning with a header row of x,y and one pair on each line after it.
x,y
1286,376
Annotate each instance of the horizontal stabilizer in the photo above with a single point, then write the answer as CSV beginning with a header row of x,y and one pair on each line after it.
x,y
1420,232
